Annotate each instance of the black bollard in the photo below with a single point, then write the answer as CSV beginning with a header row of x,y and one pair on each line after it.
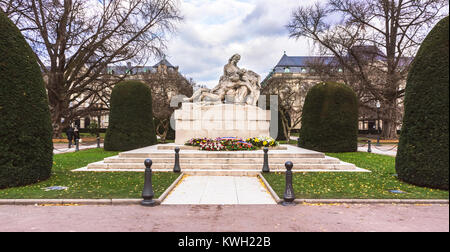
x,y
98,142
176,167
266,161
77,145
289,196
369,146
147,193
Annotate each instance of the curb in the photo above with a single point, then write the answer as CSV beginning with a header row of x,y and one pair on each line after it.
x,y
125,202
373,201
128,202
270,189
98,202
354,201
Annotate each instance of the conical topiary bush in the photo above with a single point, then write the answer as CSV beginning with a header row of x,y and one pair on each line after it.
x,y
423,152
131,123
26,148
330,119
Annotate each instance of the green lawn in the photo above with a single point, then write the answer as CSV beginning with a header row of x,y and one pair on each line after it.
x,y
374,185
89,185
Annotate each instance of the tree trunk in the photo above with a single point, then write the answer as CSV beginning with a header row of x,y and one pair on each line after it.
x,y
389,118
164,125
57,101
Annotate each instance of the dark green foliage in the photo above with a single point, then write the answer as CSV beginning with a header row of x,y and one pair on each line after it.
x,y
423,152
330,119
131,119
281,135
26,148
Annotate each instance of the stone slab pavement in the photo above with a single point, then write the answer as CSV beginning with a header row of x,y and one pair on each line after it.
x,y
228,218
219,190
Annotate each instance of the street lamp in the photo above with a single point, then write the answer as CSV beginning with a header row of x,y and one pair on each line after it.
x,y
378,122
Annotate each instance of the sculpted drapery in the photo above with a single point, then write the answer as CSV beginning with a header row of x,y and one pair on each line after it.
x,y
240,85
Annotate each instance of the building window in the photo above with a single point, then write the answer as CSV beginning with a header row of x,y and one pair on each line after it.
x,y
287,70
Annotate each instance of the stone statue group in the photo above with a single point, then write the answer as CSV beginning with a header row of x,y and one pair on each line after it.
x,y
236,85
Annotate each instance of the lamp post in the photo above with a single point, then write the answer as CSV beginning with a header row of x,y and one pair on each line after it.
x,y
378,122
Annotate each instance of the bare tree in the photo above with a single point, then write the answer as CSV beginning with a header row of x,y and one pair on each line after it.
x,y
373,43
75,41
165,84
291,94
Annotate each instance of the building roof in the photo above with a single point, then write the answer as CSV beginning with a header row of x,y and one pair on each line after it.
x,y
164,62
138,69
301,61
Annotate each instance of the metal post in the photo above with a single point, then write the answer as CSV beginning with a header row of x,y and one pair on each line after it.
x,y
177,168
289,196
77,145
369,146
266,160
378,122
147,193
98,142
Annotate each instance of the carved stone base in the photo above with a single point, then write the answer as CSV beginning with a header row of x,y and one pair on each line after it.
x,y
221,120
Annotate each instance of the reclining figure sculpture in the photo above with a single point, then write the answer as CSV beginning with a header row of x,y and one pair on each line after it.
x,y
239,84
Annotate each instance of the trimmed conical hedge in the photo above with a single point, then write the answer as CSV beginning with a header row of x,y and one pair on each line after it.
x,y
26,148
330,119
423,152
131,123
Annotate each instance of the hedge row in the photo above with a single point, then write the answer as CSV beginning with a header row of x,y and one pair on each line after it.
x,y
26,148
131,123
423,152
330,119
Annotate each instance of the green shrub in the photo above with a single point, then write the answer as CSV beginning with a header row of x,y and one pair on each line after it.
x,y
26,148
330,119
131,119
423,152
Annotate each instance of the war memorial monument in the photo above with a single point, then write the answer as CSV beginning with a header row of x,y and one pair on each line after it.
x,y
226,111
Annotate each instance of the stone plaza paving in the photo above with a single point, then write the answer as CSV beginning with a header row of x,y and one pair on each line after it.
x,y
217,190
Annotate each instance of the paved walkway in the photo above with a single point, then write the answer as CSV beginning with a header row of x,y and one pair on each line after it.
x,y
229,218
389,150
62,148
211,190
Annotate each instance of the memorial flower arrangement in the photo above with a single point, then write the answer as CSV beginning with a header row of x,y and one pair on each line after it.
x,y
197,141
211,145
263,142
231,143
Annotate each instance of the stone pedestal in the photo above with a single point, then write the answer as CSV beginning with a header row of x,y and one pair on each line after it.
x,y
195,120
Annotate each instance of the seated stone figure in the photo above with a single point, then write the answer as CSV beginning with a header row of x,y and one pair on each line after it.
x,y
242,85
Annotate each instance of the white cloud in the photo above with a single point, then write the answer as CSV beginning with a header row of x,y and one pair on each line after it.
x,y
214,30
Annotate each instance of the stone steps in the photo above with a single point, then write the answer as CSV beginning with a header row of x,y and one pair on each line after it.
x,y
201,154
216,166
254,161
171,147
240,163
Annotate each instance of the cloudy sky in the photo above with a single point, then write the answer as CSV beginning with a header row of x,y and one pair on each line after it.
x,y
213,30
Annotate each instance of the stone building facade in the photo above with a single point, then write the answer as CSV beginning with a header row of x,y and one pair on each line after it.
x,y
300,73
129,72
